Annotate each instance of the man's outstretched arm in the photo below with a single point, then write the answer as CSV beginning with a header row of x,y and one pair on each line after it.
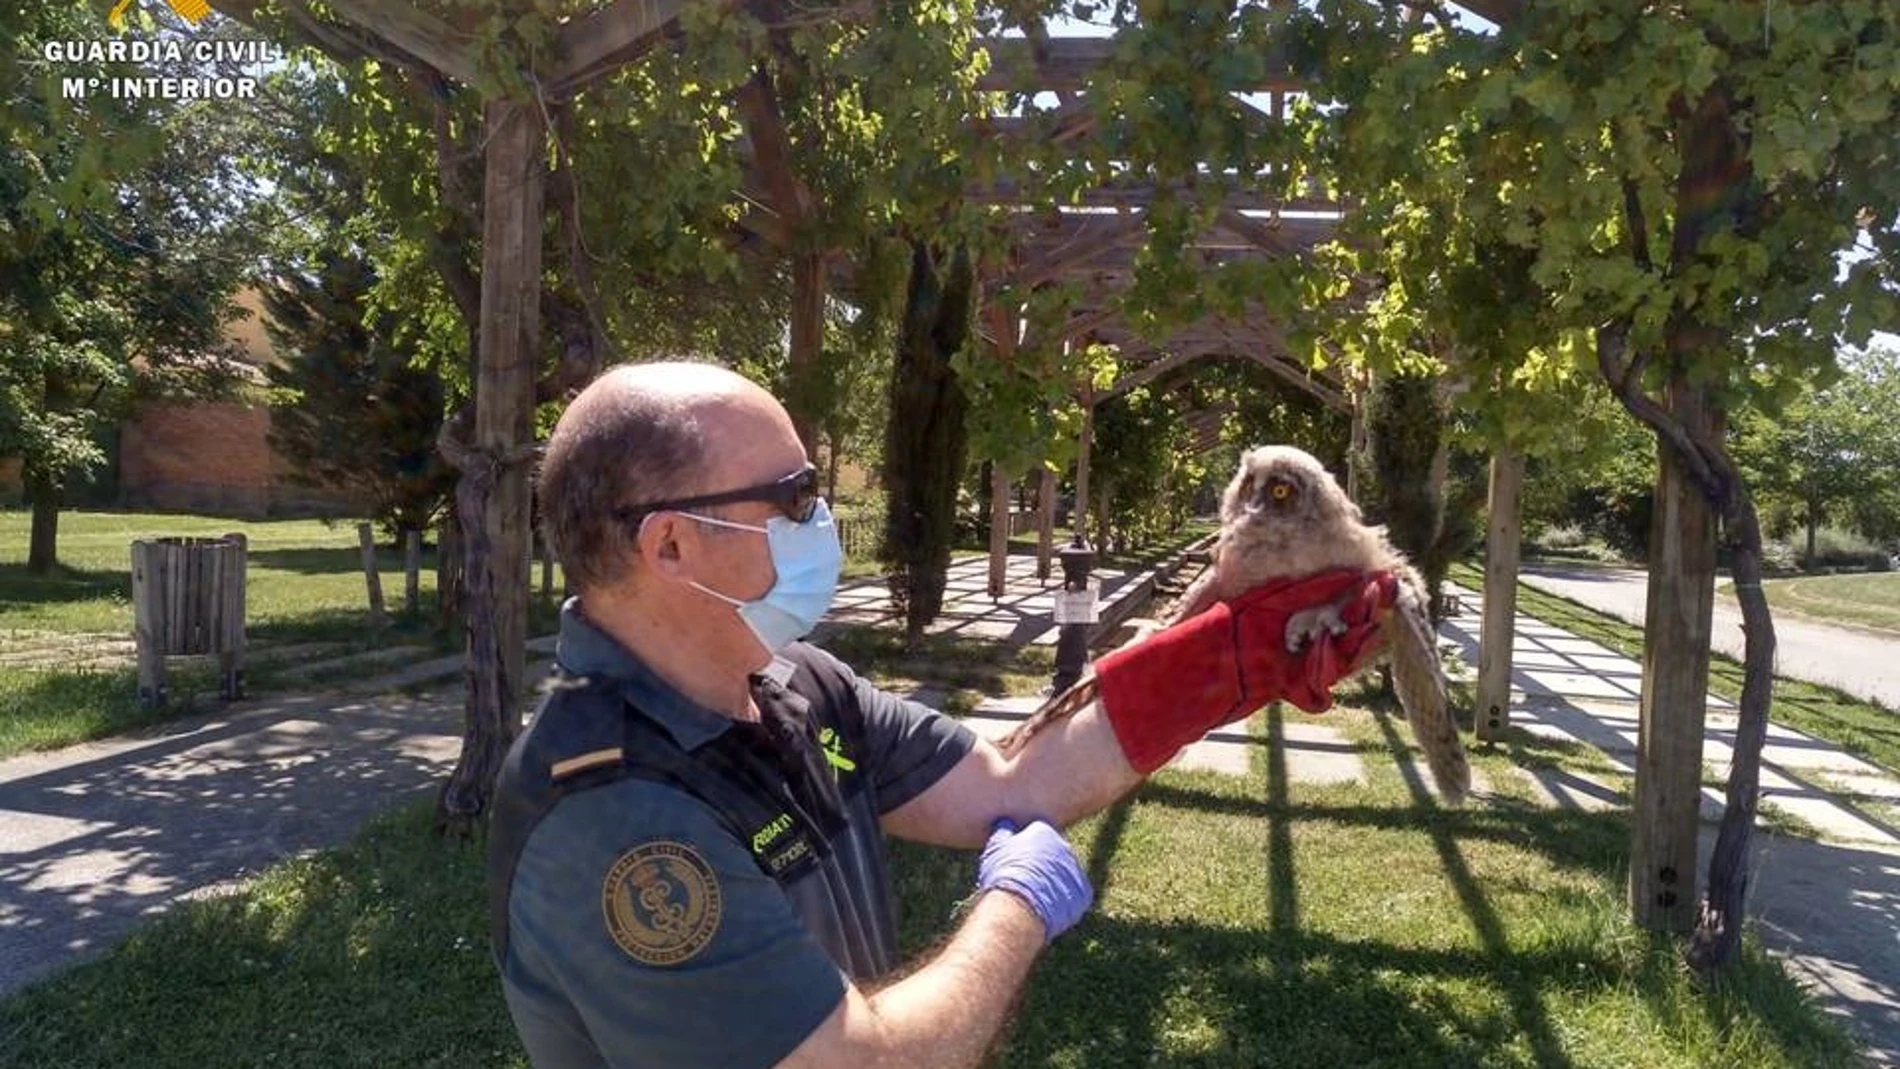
x,y
1155,697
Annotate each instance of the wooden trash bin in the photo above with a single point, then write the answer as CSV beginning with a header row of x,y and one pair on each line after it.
x,y
188,600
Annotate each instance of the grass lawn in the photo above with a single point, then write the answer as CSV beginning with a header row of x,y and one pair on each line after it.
x,y
1862,728
304,586
1870,600
1241,922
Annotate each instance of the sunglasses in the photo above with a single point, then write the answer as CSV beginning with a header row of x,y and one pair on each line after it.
x,y
796,495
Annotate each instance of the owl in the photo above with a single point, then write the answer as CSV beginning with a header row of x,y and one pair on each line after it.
x,y
1284,516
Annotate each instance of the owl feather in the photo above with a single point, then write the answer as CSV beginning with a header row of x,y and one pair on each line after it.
x,y
1284,516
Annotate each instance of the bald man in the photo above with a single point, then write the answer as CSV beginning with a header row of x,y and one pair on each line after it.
x,y
686,859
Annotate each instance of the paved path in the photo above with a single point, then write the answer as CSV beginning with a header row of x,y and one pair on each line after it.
x,y
95,837
1859,662
1829,907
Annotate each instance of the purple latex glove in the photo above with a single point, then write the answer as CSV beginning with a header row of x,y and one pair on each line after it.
x,y
1037,865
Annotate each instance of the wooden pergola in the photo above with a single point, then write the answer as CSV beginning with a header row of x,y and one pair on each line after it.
x,y
1092,242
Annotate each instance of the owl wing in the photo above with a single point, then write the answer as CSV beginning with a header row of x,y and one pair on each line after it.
x,y
1199,597
1058,707
1419,679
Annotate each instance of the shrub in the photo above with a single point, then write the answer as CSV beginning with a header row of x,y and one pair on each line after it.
x,y
1844,551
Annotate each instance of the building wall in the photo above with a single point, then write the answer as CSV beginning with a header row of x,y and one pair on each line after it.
x,y
212,458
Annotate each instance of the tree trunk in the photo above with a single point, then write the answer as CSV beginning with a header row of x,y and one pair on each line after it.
x,y
493,492
1814,521
42,492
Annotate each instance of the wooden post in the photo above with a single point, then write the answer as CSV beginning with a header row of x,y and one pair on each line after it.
x,y
1355,451
807,338
547,568
504,396
145,623
1502,543
1078,517
999,531
234,564
412,572
1045,523
1667,804
1102,532
372,576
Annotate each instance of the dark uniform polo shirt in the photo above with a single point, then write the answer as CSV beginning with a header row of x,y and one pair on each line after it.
x,y
589,974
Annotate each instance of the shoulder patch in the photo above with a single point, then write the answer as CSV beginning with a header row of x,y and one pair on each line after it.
x,y
662,903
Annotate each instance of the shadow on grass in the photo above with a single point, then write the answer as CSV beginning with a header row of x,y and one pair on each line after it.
x,y
20,588
375,955
341,560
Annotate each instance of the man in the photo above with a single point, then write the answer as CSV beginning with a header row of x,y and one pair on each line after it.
x,y
686,861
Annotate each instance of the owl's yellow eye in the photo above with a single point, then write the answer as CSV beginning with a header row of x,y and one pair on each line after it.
x,y
1281,491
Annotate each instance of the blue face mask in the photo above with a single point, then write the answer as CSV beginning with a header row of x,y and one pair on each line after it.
x,y
807,558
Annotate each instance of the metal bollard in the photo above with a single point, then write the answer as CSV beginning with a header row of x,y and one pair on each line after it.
x,y
1075,612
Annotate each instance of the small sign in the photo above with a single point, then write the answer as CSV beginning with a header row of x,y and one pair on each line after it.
x,y
1075,606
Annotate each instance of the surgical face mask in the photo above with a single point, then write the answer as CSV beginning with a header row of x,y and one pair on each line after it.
x,y
807,558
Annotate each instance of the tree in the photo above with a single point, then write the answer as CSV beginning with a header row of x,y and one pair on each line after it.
x,y
1659,195
122,238
1833,451
924,449
354,406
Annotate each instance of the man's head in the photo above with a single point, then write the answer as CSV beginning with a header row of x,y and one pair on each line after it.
x,y
646,435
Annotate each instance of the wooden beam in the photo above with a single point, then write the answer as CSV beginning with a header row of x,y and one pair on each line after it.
x,y
1067,63
1154,369
416,33
1268,236
1092,238
594,46
772,150
1007,190
1502,543
1329,395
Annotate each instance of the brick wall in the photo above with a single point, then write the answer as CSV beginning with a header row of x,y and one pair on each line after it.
x,y
213,458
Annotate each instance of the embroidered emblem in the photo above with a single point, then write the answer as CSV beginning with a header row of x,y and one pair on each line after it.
x,y
662,903
834,752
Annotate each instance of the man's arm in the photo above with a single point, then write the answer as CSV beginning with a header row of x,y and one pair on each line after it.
x,y
947,1013
1070,770
1155,697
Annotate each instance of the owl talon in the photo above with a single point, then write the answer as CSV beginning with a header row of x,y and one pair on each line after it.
x,y
1309,624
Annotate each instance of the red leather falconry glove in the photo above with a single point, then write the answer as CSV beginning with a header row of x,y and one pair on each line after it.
x,y
1222,664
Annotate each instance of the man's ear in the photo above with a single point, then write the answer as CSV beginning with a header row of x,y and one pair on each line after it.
x,y
658,543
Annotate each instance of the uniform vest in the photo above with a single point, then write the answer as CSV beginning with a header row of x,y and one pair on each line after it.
x,y
770,783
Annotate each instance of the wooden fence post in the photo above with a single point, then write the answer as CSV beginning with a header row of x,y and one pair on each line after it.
x,y
999,530
372,576
412,572
1502,545
1666,814
233,564
145,628
1045,523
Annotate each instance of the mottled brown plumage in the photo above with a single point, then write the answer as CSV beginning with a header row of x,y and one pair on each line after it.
x,y
1284,516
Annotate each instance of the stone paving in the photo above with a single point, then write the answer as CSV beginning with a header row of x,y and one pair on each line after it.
x,y
1024,615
